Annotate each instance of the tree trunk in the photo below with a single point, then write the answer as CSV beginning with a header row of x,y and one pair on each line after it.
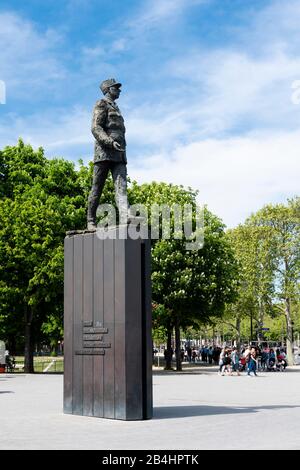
x,y
177,346
11,345
289,333
168,352
28,353
238,333
261,316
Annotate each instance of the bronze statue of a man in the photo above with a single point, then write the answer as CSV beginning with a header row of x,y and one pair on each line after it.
x,y
110,150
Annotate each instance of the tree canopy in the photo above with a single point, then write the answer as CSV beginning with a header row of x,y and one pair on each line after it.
x,y
252,270
41,199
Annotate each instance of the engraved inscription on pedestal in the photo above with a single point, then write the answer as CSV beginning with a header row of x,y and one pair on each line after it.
x,y
92,340
107,310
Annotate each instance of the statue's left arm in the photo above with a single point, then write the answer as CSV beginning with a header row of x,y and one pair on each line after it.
x,y
98,125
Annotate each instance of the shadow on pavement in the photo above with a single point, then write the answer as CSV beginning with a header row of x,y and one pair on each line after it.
x,y
187,370
166,412
48,373
12,376
292,369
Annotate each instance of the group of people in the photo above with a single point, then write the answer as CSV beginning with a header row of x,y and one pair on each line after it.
x,y
251,359
273,359
229,361
208,354
232,360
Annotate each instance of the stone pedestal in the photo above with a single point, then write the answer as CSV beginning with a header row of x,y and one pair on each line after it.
x,y
107,324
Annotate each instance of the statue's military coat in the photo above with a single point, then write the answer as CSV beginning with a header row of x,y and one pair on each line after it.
x,y
107,127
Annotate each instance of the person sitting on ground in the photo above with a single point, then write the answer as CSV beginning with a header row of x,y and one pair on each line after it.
x,y
272,360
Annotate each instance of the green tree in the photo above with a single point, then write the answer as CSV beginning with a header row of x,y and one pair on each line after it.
x,y
41,200
282,233
255,273
194,285
154,196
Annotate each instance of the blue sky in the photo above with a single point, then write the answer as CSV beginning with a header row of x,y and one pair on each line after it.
x,y
207,89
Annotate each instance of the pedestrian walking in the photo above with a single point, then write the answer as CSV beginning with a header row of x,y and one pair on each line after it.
x,y
221,362
235,361
252,366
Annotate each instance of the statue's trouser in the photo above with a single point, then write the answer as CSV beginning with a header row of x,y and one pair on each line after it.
x,y
119,174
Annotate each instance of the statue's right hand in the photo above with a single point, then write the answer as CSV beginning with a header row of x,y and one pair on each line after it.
x,y
118,147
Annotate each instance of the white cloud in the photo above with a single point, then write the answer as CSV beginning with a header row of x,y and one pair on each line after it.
x,y
230,85
276,24
153,15
243,86
234,110
222,121
162,131
154,12
118,45
27,59
221,92
92,53
2,92
235,176
66,133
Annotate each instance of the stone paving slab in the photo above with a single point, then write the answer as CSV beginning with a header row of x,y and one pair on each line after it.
x,y
194,410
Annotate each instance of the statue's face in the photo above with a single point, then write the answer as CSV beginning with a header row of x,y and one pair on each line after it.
x,y
114,92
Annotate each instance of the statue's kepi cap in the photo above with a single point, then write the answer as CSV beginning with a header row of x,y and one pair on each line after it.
x,y
108,83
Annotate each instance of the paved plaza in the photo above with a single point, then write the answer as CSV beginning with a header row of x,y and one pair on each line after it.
x,y
196,409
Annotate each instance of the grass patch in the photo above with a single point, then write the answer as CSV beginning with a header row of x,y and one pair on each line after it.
x,y
40,363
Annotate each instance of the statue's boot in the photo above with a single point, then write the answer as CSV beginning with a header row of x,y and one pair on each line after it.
x,y
91,225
